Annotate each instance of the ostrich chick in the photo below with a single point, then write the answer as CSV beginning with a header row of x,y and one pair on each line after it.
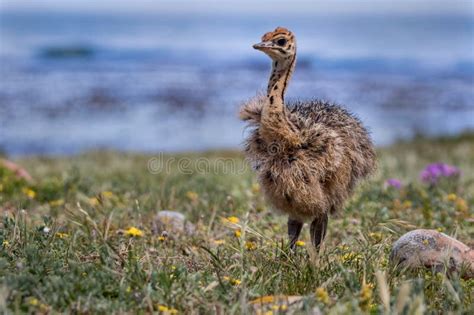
x,y
308,155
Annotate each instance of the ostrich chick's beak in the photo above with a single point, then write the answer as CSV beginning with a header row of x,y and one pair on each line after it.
x,y
263,45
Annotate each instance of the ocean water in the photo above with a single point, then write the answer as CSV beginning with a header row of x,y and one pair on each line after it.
x,y
74,82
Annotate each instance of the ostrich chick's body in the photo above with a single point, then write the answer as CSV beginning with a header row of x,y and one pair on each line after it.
x,y
308,155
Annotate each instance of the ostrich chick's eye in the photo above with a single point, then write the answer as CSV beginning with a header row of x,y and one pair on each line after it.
x,y
281,42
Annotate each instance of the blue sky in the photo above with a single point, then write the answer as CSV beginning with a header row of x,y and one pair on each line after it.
x,y
256,6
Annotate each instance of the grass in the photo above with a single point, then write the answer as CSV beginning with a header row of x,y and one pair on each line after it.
x,y
65,246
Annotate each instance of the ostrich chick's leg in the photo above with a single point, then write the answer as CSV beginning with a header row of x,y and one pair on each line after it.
x,y
318,230
294,230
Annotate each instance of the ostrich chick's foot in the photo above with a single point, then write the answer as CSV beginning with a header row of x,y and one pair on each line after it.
x,y
294,230
318,230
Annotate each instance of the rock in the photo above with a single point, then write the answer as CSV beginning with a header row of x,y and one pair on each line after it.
x,y
172,222
432,249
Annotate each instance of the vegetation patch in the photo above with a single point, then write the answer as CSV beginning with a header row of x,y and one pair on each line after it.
x,y
82,237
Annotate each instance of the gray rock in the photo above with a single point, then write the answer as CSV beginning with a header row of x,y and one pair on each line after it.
x,y
432,249
171,223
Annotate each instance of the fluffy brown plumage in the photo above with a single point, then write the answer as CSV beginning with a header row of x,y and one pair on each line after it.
x,y
308,155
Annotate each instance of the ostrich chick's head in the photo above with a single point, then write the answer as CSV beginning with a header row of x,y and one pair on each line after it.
x,y
280,45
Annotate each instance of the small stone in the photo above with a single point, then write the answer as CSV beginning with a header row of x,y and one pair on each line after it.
x,y
432,249
172,222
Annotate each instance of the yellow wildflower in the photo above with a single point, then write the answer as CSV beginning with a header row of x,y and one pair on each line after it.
x,y
56,203
376,236
322,295
250,245
233,219
351,256
263,300
5,243
237,233
343,247
167,310
30,193
366,295
300,243
452,197
61,235
133,231
283,307
232,280
107,194
192,195
163,308
33,301
162,238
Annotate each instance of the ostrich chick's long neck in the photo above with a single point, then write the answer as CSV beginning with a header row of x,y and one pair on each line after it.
x,y
279,78
275,124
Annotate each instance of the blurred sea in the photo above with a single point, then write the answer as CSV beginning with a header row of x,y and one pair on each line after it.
x,y
73,82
